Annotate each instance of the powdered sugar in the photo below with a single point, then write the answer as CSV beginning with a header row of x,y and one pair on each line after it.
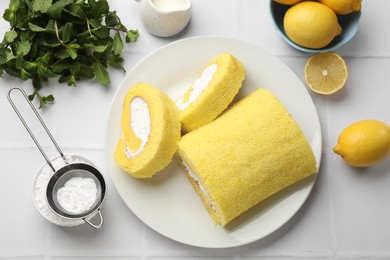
x,y
77,195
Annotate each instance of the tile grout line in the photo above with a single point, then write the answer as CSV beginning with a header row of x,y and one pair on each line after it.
x,y
143,242
306,55
332,220
235,7
48,147
48,239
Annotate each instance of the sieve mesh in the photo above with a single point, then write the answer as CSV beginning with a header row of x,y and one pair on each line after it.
x,y
62,176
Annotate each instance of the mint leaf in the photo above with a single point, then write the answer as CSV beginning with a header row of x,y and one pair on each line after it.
x,y
111,19
99,9
45,58
32,96
72,81
36,28
102,32
10,36
67,32
45,73
48,98
76,11
72,52
55,10
132,35
23,47
96,48
86,71
101,73
10,56
45,99
24,75
19,62
5,55
14,5
95,23
116,62
30,65
118,43
61,66
50,26
7,15
41,5
62,54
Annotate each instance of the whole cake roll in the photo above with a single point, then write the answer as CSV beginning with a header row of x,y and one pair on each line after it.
x,y
150,127
250,152
212,92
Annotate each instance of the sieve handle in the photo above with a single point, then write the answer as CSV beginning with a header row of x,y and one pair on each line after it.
x,y
98,225
28,128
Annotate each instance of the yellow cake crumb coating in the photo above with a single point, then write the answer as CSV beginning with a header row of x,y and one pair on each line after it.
x,y
165,131
220,92
249,153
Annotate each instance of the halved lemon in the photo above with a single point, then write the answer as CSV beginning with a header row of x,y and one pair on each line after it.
x,y
326,73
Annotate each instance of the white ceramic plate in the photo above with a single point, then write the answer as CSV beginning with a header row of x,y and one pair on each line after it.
x,y
167,202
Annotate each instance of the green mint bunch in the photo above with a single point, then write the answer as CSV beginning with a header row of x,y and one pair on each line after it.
x,y
65,39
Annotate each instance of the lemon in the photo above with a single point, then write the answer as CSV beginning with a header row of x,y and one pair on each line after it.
x,y
288,2
364,143
311,24
326,73
343,6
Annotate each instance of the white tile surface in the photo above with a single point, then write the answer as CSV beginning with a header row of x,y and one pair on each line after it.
x,y
23,230
346,216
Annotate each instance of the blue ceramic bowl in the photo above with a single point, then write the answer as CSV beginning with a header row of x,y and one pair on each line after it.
x,y
349,23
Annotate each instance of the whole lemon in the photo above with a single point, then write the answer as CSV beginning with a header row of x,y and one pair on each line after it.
x,y
343,6
311,24
288,2
364,143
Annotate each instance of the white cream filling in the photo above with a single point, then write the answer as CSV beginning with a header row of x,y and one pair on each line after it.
x,y
140,124
170,5
198,87
202,189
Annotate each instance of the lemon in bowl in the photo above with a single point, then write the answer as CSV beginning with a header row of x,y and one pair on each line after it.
x,y
312,26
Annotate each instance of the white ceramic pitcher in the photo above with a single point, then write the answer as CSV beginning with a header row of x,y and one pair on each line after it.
x,y
165,18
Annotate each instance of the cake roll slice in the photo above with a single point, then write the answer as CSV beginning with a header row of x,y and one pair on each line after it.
x,y
250,152
150,127
212,92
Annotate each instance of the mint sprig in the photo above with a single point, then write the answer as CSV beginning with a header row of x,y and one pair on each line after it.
x,y
65,39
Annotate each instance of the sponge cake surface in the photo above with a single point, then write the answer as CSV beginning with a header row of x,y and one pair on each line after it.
x,y
250,152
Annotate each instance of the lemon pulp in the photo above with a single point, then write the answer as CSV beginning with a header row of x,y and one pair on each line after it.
x,y
326,73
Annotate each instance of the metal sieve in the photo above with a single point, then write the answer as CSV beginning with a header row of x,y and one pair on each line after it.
x,y
65,173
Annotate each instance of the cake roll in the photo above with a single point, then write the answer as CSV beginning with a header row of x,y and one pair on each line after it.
x,y
150,127
212,92
250,152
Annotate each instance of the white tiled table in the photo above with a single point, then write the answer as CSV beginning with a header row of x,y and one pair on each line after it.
x,y
347,215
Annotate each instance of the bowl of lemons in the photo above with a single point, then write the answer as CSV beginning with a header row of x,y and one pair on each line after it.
x,y
316,26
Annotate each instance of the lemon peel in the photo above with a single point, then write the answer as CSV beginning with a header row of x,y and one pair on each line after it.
x,y
311,24
343,6
364,143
